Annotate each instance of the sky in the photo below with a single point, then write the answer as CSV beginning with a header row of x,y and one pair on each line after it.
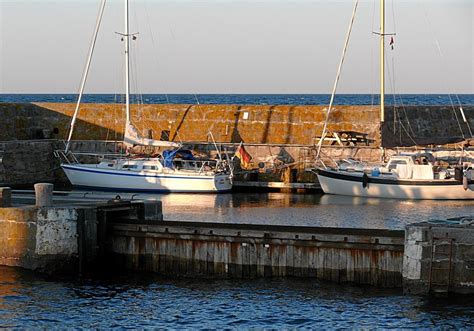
x,y
239,46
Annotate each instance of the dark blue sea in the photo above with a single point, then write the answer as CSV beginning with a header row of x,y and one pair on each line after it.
x,y
251,99
137,301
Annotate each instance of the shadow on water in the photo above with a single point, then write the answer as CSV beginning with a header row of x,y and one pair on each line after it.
x,y
144,300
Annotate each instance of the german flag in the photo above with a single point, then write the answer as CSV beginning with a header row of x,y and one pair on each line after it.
x,y
243,156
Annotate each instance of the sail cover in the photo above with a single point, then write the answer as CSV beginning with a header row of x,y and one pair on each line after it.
x,y
426,125
132,137
169,156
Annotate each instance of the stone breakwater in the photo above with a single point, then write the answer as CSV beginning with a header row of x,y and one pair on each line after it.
x,y
253,124
23,163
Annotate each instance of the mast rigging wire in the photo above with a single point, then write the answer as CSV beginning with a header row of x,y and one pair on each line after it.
x,y
155,52
444,66
86,72
336,82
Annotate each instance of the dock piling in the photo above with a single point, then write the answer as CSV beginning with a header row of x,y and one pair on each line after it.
x,y
5,197
44,194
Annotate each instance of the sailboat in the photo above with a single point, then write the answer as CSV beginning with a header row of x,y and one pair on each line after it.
x,y
174,170
406,176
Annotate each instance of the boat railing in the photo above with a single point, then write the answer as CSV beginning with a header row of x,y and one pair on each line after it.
x,y
64,157
71,157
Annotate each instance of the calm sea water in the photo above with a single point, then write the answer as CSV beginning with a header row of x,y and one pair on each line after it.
x,y
28,301
252,99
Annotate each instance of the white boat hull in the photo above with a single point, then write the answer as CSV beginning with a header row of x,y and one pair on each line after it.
x,y
351,184
89,176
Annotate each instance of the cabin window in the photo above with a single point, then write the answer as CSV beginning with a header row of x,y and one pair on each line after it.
x,y
110,165
393,164
150,167
129,166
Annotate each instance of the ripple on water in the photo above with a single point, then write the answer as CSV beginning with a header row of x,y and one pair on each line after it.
x,y
141,301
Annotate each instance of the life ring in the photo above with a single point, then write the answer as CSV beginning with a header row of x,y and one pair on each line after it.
x,y
365,180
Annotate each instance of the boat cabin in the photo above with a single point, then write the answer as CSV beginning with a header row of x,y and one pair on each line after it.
x,y
413,167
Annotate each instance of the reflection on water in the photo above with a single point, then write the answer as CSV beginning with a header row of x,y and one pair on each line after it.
x,y
144,301
289,209
308,209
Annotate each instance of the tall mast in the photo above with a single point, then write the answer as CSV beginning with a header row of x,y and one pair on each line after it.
x,y
382,61
127,65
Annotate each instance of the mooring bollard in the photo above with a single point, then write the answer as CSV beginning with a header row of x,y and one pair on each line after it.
x,y
44,194
5,197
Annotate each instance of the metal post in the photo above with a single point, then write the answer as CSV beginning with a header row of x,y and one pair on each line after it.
x,y
382,61
127,66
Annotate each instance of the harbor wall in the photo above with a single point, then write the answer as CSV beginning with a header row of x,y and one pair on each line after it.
x,y
254,124
25,162
439,257
65,239
49,239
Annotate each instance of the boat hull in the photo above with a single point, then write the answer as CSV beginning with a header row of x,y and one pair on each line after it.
x,y
133,181
352,184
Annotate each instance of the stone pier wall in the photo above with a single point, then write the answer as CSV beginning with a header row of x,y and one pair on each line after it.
x,y
439,257
253,124
25,162
65,239
43,239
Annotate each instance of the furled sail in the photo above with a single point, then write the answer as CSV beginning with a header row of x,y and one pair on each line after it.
x,y
132,137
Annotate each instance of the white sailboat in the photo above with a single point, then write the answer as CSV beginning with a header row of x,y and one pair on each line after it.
x,y
175,170
404,176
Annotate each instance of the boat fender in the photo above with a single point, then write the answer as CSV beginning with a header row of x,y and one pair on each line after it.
x,y
465,181
375,172
365,180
